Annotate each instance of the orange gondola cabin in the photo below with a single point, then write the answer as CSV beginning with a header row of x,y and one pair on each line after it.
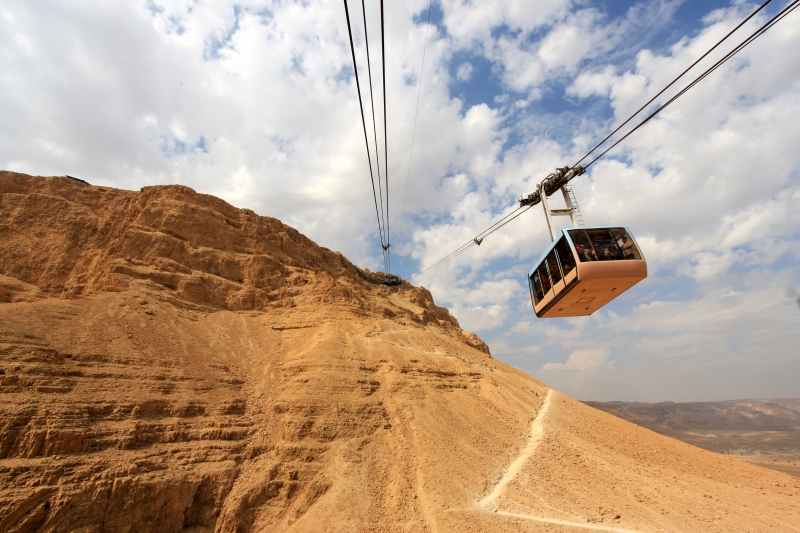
x,y
584,269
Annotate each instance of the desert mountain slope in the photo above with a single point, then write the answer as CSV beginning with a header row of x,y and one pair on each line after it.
x,y
171,363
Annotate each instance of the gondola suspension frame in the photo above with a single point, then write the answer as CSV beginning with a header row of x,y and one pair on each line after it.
x,y
587,277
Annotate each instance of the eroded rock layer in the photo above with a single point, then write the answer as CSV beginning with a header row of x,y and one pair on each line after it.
x,y
171,363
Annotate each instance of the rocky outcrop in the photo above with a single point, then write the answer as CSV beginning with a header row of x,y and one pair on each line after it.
x,y
134,323
67,239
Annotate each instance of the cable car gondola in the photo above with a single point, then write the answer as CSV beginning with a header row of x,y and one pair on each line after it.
x,y
585,267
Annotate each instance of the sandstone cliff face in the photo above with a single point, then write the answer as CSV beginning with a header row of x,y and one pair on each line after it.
x,y
171,363
68,238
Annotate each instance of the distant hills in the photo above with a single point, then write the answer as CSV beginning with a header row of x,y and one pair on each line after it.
x,y
769,430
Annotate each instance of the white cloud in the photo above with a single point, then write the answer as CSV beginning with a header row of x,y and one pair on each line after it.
x,y
582,361
464,71
471,23
653,304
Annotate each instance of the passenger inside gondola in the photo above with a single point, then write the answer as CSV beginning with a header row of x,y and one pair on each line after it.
x,y
603,244
565,256
626,246
625,243
545,278
582,245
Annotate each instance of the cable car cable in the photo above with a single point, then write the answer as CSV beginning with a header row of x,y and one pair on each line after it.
x,y
506,222
363,121
473,242
774,20
416,113
491,229
466,245
385,143
374,128
752,37
476,241
793,8
762,6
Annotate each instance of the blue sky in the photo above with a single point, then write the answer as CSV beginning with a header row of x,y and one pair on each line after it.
x,y
254,101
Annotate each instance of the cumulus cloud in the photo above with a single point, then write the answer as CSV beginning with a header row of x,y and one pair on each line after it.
x,y
464,71
582,361
471,23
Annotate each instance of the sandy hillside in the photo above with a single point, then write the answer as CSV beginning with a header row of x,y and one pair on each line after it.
x,y
171,363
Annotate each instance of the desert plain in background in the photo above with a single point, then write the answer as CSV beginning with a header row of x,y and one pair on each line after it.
x,y
169,363
762,432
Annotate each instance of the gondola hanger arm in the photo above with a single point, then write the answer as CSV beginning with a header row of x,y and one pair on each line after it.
x,y
551,184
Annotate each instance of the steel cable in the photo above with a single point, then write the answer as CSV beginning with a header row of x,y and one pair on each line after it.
x,y
752,37
385,144
374,130
466,246
364,123
762,6
488,231
416,112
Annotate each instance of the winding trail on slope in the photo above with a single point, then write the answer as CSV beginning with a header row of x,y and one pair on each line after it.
x,y
489,503
537,428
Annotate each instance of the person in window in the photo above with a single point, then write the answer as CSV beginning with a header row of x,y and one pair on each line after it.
x,y
627,247
611,251
585,253
545,279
